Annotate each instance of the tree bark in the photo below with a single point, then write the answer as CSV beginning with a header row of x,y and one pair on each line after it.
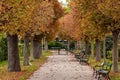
x,y
115,50
13,55
92,48
36,48
75,45
104,49
98,55
68,46
40,48
87,49
42,44
26,51
46,45
31,51
80,44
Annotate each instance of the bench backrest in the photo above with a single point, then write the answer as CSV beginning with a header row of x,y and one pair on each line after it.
x,y
85,56
107,66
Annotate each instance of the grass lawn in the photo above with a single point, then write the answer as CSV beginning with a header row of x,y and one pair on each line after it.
x,y
26,70
113,76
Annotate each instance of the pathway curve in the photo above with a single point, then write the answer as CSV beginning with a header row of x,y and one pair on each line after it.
x,y
62,67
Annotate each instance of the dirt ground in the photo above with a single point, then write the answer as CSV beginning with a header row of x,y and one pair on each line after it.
x,y
62,67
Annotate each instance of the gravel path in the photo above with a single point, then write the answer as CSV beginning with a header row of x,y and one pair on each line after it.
x,y
62,67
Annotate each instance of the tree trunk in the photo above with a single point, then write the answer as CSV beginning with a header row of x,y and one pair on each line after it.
x,y
92,48
115,51
46,45
68,46
75,45
42,44
104,49
87,49
13,55
31,51
98,55
26,51
36,48
40,48
80,44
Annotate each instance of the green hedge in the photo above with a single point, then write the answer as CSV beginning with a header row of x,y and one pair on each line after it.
x,y
3,49
55,44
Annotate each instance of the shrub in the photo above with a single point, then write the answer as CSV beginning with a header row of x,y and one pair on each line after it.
x,y
3,49
109,43
72,45
55,44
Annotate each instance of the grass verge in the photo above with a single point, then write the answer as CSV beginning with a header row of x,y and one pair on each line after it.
x,y
26,70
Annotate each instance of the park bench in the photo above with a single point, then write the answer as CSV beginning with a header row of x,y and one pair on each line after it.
x,y
84,59
104,71
96,68
79,55
71,51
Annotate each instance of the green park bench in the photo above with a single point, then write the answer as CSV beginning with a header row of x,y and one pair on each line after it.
x,y
103,70
85,59
79,56
71,51
96,68
82,57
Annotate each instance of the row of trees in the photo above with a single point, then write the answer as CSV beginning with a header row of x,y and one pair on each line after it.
x,y
93,20
33,20
30,20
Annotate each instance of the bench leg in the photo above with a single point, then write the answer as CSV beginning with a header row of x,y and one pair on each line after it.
x,y
80,61
99,77
93,73
108,77
96,74
87,63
